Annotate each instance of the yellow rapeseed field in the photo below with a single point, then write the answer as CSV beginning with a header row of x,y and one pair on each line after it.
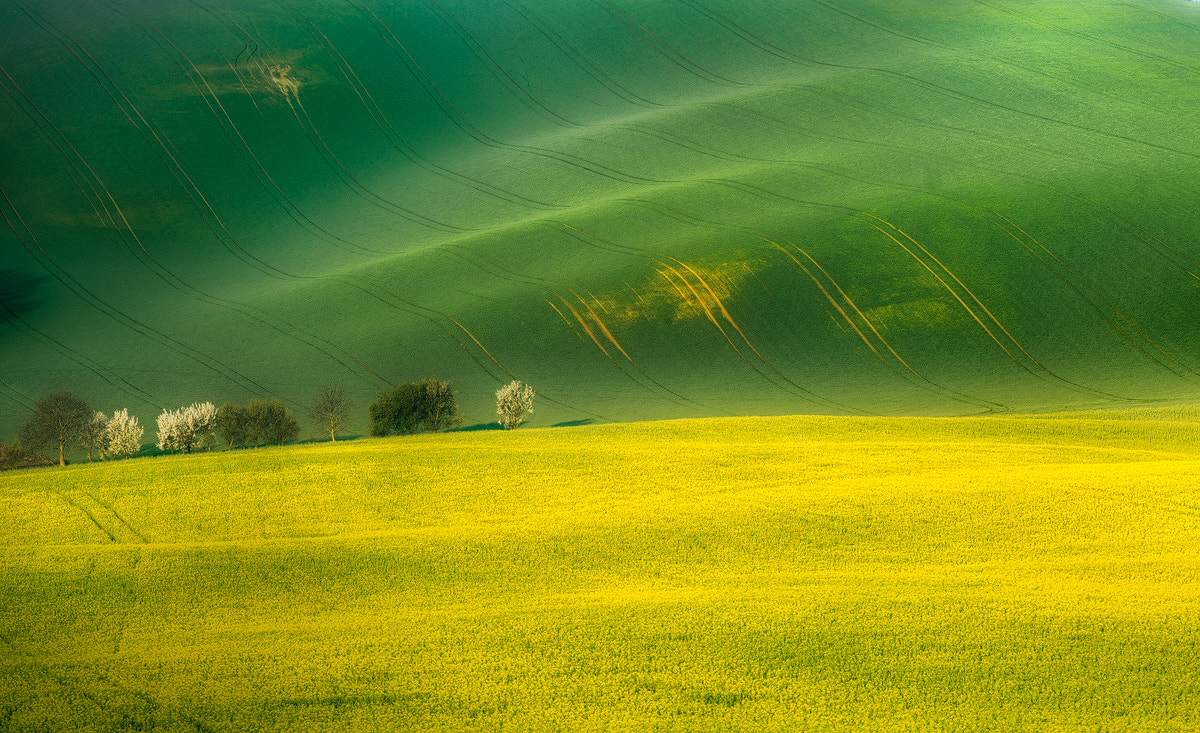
x,y
754,574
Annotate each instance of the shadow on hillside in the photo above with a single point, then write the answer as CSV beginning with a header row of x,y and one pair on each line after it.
x,y
573,423
479,426
18,293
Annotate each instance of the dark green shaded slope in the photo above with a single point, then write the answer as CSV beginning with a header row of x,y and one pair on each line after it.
x,y
645,210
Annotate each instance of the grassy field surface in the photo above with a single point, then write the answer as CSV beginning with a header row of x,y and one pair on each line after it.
x,y
873,574
646,209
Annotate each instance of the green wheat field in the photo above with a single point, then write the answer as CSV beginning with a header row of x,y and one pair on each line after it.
x,y
646,210
865,334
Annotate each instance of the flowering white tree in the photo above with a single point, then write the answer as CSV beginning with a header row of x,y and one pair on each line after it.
x,y
513,402
203,419
172,431
122,434
187,428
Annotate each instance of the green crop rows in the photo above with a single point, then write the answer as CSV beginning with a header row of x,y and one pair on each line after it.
x,y
668,208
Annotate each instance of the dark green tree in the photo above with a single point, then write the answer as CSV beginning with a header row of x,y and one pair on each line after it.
x,y
269,421
399,410
414,406
58,420
232,425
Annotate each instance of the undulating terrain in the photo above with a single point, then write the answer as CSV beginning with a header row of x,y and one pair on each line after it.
x,y
737,574
662,208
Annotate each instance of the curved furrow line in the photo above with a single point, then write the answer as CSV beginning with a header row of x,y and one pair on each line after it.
x,y
423,312
459,120
791,386
1088,37
321,146
1146,9
58,141
1092,163
965,289
497,71
1153,345
325,152
758,234
11,393
664,49
1174,252
582,236
754,190
834,303
908,372
929,86
970,52
604,329
262,317
120,224
673,396
952,291
156,141
381,120
237,140
566,320
578,59
68,281
1073,284
974,136
494,269
993,319
114,379
197,197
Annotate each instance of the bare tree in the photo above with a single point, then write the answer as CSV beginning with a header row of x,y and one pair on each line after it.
x,y
330,411
59,419
441,406
93,436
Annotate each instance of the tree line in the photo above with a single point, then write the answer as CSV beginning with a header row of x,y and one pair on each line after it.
x,y
63,421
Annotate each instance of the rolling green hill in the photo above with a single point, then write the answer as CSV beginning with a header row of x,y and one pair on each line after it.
x,y
666,208
737,574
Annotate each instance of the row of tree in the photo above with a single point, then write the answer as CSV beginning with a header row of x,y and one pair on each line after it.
x,y
63,420
431,405
258,422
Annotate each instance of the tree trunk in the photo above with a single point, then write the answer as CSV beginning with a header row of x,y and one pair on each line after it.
x,y
62,458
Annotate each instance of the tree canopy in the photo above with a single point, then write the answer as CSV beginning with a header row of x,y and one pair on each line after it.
x,y
59,420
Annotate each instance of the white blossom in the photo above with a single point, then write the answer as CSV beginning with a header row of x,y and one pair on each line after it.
x,y
122,434
513,402
187,428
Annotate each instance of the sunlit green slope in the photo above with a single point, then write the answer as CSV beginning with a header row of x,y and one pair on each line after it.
x,y
651,209
744,574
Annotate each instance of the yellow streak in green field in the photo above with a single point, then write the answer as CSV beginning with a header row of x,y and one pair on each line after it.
x,y
603,329
825,292
944,284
